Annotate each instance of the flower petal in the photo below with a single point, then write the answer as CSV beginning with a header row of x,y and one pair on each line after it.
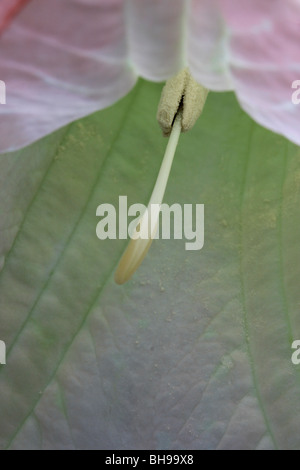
x,y
155,37
64,69
251,47
69,68
8,9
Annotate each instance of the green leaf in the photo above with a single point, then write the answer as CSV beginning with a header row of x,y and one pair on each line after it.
x,y
195,351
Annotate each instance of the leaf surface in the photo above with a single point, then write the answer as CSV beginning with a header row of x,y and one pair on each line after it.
x,y
195,351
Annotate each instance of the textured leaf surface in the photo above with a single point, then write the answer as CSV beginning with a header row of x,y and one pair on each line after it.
x,y
195,351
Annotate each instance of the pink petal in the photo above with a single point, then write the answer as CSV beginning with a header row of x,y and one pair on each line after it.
x,y
253,48
155,37
61,60
8,10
